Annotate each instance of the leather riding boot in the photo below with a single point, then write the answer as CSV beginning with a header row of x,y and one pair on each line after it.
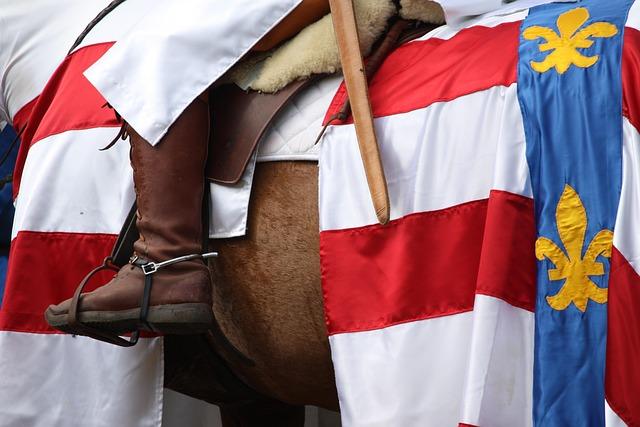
x,y
169,184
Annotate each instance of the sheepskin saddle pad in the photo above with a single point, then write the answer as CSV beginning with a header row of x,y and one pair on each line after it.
x,y
314,50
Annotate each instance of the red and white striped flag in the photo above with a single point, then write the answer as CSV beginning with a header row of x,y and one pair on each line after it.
x,y
71,202
431,318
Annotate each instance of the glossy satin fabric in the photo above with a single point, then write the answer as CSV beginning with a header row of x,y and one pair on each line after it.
x,y
459,11
175,53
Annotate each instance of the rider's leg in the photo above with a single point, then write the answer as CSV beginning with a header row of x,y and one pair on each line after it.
x,y
169,184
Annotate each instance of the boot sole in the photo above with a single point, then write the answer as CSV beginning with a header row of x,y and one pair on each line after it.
x,y
173,319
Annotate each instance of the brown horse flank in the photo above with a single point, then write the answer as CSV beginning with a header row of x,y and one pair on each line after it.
x,y
269,308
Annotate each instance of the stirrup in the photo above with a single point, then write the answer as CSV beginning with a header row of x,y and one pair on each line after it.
x,y
148,268
80,328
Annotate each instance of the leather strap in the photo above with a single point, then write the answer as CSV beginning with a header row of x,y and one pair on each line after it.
x,y
82,329
390,42
400,32
104,12
416,30
123,249
146,294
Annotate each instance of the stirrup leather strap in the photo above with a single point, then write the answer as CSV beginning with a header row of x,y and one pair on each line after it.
x,y
82,329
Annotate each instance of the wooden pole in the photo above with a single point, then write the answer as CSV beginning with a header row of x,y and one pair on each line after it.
x,y
344,23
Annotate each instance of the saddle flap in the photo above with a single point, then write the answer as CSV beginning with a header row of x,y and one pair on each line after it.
x,y
239,119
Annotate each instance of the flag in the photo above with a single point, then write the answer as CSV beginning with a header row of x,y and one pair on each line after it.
x,y
574,152
71,200
442,317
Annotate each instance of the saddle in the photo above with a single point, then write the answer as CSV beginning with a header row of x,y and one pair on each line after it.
x,y
240,118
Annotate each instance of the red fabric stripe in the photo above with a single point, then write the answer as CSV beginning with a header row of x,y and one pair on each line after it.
x,y
68,102
45,268
622,378
508,263
466,425
22,116
423,72
428,264
631,76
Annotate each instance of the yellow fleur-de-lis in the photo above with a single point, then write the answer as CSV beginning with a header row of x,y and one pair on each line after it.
x,y
571,222
565,46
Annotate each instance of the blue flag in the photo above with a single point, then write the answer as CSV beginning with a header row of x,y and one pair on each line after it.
x,y
7,137
570,91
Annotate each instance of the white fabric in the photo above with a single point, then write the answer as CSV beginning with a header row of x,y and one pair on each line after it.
x,y
420,172
35,35
93,195
407,375
290,138
177,52
460,12
56,380
611,419
135,76
633,19
474,367
457,10
119,22
229,207
294,131
108,387
500,368
61,381
433,162
446,32
627,226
